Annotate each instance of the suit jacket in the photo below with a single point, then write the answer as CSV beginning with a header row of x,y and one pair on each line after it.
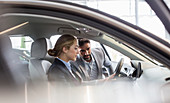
x,y
58,72
101,60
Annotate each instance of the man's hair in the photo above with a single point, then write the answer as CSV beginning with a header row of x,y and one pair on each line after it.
x,y
83,41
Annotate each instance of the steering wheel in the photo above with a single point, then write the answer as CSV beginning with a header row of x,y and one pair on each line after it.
x,y
118,67
116,72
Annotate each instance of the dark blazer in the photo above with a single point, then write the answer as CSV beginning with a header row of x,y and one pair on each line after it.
x,y
101,60
58,72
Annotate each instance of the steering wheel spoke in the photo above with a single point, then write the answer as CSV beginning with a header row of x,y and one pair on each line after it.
x,y
118,67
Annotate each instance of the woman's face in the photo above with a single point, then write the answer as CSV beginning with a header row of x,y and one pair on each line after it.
x,y
72,52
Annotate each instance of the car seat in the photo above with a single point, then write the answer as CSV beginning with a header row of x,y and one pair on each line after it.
x,y
40,60
12,71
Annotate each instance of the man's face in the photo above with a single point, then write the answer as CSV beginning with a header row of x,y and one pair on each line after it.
x,y
85,51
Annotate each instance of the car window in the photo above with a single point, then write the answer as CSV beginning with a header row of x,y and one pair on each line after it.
x,y
53,39
115,55
22,46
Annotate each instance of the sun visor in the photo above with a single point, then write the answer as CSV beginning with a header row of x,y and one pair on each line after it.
x,y
64,30
88,31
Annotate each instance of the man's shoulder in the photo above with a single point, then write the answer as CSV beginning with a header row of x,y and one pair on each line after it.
x,y
97,51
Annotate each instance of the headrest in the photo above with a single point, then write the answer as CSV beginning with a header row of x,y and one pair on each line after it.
x,y
8,62
5,42
40,47
6,48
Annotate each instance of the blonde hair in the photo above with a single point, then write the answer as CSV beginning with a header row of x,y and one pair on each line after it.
x,y
63,41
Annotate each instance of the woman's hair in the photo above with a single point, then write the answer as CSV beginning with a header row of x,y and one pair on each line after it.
x,y
65,40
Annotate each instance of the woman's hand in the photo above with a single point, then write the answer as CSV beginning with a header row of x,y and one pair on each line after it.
x,y
110,77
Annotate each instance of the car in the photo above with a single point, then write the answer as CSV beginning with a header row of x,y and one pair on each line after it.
x,y
144,76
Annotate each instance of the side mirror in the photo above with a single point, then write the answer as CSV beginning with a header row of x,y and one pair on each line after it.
x,y
138,70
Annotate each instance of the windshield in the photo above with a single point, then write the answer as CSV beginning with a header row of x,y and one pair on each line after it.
x,y
137,12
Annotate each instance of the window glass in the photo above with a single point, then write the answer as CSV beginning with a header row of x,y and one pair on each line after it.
x,y
113,54
116,56
22,46
53,39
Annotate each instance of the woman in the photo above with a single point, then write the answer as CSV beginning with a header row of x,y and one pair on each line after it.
x,y
65,49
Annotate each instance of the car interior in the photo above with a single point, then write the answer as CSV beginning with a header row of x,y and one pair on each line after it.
x,y
32,65
40,29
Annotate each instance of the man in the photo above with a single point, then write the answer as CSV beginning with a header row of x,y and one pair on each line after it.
x,y
89,62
